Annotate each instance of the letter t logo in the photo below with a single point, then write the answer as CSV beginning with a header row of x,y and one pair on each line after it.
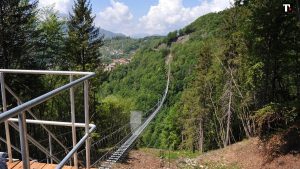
x,y
286,7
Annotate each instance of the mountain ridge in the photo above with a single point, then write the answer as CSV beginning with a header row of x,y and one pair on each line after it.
x,y
109,34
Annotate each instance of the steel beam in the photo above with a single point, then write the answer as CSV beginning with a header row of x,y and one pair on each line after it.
x,y
87,121
4,107
74,139
14,111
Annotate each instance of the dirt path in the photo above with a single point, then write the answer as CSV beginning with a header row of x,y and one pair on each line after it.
x,y
169,58
143,160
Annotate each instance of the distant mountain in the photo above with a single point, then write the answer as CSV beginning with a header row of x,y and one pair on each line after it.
x,y
139,36
144,35
109,35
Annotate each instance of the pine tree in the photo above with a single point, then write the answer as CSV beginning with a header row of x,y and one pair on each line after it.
x,y
274,40
17,33
82,46
195,103
19,44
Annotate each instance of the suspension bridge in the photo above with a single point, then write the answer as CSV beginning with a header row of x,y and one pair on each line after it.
x,y
97,153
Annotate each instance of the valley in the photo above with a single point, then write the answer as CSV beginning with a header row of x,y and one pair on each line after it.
x,y
221,91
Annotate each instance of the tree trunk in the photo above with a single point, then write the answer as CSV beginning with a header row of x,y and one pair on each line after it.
x,y
201,136
82,59
228,114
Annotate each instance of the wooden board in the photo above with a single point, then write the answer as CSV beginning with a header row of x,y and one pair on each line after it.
x,y
49,166
20,165
36,165
11,165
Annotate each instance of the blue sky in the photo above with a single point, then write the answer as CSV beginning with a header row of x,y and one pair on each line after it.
x,y
144,17
138,7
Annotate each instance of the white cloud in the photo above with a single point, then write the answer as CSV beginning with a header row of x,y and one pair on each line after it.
x,y
63,6
169,15
116,17
166,16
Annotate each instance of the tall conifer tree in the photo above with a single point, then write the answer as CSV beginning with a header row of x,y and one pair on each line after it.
x,y
274,39
17,33
84,41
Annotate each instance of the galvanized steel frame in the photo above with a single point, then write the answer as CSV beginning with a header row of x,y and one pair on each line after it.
x,y
20,110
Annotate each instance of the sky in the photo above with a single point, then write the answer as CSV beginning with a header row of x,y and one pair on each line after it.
x,y
143,17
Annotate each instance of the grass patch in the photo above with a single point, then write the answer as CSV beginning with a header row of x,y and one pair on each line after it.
x,y
166,154
215,165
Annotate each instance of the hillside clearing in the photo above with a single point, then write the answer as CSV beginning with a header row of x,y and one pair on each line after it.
x,y
242,155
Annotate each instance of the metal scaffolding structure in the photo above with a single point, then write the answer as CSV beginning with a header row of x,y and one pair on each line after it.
x,y
7,117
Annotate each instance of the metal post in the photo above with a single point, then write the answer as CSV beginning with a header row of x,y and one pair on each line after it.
x,y
4,105
87,122
70,161
50,148
23,140
74,139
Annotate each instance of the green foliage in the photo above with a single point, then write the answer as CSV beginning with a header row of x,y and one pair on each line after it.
x,y
17,24
82,50
177,120
273,118
236,63
171,37
185,31
206,26
215,165
195,94
142,80
52,50
170,154
272,39
19,45
125,47
216,61
112,113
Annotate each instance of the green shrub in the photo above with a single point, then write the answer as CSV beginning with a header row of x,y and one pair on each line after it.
x,y
274,117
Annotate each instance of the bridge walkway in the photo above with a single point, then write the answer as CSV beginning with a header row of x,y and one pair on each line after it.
x,y
125,147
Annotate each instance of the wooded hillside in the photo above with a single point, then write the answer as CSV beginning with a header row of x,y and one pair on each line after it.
x,y
236,74
236,77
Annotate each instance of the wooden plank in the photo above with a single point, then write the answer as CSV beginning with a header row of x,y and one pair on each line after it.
x,y
37,165
20,165
11,165
49,166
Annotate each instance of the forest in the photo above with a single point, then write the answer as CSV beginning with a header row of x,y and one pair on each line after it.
x,y
236,77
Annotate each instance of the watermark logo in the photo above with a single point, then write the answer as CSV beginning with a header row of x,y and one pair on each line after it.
x,y
288,8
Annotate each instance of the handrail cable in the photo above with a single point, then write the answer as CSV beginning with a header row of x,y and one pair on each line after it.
x,y
125,138
135,135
